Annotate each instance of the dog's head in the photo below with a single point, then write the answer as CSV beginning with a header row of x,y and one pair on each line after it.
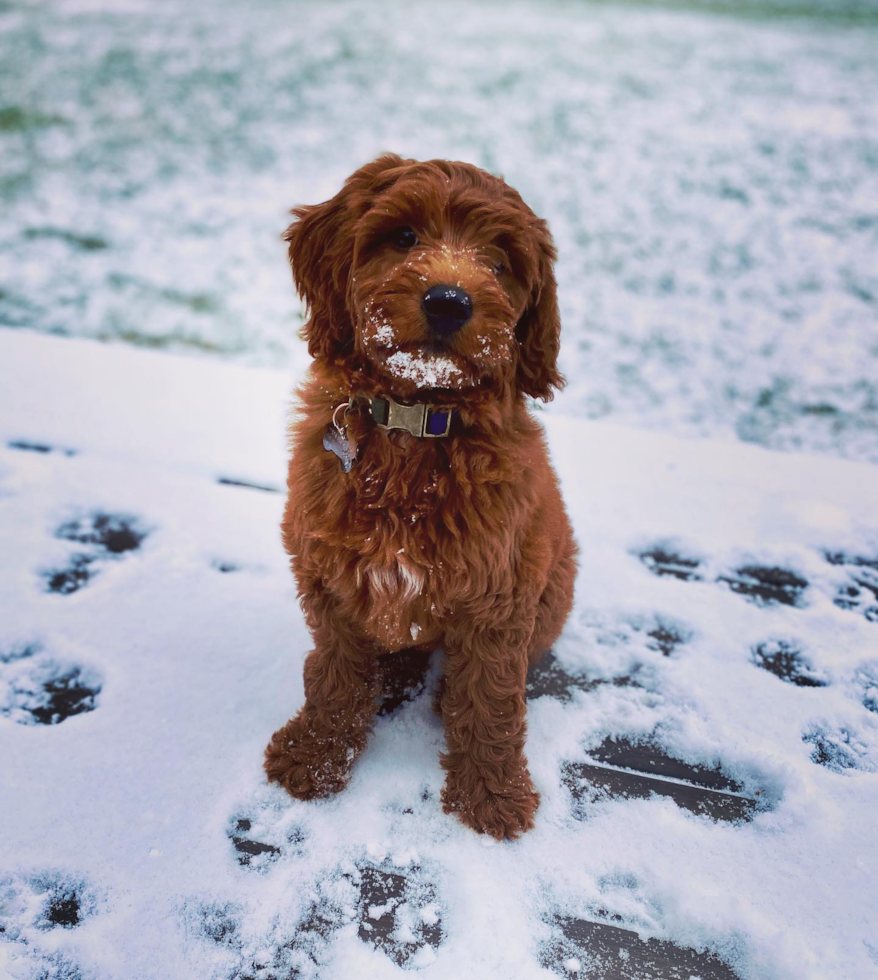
x,y
432,276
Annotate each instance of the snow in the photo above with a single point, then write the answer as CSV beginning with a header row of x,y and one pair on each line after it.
x,y
711,182
425,370
140,803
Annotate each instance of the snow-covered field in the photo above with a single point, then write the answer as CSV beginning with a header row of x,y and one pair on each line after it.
x,y
150,643
712,182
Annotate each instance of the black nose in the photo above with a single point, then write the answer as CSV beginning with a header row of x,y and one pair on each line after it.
x,y
447,308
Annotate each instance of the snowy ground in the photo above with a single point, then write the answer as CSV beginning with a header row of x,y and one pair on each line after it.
x,y
712,182
150,643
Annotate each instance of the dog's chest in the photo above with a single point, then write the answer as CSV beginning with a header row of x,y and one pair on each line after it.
x,y
417,538
404,585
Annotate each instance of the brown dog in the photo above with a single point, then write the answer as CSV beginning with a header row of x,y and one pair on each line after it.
x,y
422,509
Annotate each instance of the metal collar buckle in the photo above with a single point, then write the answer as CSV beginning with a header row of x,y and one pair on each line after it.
x,y
414,419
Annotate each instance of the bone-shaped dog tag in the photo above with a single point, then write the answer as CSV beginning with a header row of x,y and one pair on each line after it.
x,y
337,442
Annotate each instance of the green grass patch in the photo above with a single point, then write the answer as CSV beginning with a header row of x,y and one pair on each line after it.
x,y
87,243
15,119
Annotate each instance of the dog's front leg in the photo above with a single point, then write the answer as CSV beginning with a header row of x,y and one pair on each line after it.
x,y
487,783
313,754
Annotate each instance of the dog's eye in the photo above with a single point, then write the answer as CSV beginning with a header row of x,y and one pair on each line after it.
x,y
499,268
403,238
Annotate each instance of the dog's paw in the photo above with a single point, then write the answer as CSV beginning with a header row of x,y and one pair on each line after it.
x,y
502,812
310,765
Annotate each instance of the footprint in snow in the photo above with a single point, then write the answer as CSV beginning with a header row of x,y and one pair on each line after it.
x,y
395,909
77,573
398,913
30,904
839,749
601,946
553,676
622,768
263,830
220,924
282,952
783,659
35,912
767,585
667,561
106,536
261,836
764,585
867,679
38,689
660,633
859,592
112,534
666,636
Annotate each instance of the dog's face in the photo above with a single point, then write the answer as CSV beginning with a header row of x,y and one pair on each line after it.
x,y
434,276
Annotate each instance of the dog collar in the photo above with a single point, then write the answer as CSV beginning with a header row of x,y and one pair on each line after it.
x,y
422,421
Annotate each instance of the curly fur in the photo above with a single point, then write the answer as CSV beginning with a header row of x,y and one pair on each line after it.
x,y
460,542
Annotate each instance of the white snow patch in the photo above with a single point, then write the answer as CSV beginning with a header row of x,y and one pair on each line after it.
x,y
425,370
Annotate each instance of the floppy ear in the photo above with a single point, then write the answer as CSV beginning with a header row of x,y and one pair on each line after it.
x,y
321,250
539,329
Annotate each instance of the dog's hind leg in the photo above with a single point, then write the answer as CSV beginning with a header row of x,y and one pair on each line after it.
x,y
555,602
313,754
